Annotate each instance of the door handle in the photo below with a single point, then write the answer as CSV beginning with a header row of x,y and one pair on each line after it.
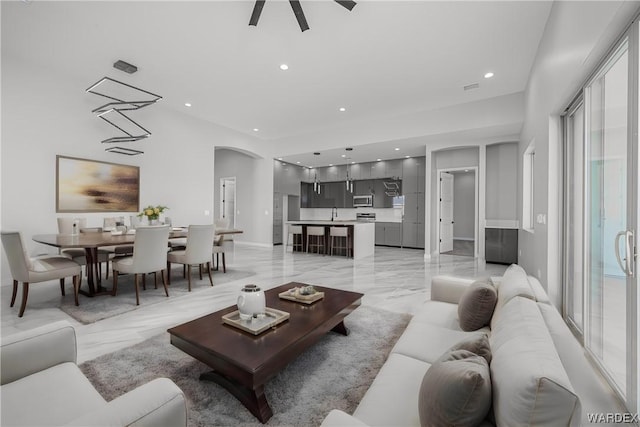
x,y
623,267
631,256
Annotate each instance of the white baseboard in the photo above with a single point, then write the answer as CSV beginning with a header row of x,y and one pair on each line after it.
x,y
245,243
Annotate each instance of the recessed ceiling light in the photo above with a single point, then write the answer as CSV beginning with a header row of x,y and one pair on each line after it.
x,y
279,158
343,155
353,163
256,129
330,164
187,104
298,162
397,149
466,170
342,109
317,153
284,67
378,160
406,157
488,75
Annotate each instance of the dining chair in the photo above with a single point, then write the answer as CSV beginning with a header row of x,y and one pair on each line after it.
x,y
218,248
41,269
149,256
109,224
197,252
65,226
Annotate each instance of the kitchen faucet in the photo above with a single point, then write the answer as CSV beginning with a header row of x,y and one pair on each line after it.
x,y
334,209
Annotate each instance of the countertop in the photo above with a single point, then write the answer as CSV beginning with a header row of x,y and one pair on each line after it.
x,y
328,222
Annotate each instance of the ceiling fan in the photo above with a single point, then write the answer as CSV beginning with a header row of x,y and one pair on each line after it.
x,y
297,11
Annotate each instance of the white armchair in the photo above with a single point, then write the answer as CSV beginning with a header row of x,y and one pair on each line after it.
x,y
40,384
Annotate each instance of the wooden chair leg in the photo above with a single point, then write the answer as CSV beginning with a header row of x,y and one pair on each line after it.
x,y
107,276
184,270
114,291
144,281
200,269
135,279
168,273
62,286
76,288
164,283
224,263
15,292
155,280
189,276
25,294
209,271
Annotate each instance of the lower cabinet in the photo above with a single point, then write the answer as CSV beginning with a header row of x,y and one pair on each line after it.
x,y
501,245
388,234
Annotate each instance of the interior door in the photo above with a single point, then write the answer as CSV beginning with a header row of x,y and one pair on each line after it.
x,y
446,212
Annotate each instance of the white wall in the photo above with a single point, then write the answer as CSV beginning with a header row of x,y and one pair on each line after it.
x,y
45,114
502,180
576,37
464,205
248,172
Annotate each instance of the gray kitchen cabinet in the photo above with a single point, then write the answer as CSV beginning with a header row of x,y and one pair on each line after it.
x,y
277,218
409,234
378,169
409,176
501,245
306,194
360,171
393,168
388,234
379,233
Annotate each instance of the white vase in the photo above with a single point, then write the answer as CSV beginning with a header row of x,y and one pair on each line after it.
x,y
251,301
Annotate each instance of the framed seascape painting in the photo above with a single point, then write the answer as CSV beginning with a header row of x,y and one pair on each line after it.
x,y
84,185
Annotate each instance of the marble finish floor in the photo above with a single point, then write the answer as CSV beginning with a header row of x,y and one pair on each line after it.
x,y
393,279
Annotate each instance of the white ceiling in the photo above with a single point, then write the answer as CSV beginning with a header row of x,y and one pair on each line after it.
x,y
383,59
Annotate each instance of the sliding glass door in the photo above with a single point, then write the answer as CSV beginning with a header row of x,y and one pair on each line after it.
x,y
601,217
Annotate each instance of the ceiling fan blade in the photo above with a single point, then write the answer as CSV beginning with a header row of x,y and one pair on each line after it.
x,y
348,4
297,10
257,10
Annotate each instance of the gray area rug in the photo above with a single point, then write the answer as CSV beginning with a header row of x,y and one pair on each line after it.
x,y
92,310
333,374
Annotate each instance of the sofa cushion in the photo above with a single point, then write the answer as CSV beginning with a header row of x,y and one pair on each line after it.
x,y
437,313
392,398
455,391
538,291
476,306
513,284
54,396
530,385
427,342
476,344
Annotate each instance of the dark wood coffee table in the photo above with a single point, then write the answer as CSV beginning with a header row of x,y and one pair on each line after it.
x,y
243,363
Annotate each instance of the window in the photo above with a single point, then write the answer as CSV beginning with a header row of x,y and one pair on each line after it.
x,y
528,170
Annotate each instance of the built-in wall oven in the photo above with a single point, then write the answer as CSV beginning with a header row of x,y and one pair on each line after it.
x,y
365,201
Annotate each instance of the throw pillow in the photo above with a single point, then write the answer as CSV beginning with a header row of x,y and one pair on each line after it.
x,y
476,344
476,306
455,391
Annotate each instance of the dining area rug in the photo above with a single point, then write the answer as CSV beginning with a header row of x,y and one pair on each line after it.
x,y
334,373
102,307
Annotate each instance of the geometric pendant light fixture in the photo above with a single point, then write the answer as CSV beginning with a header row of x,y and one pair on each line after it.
x,y
122,98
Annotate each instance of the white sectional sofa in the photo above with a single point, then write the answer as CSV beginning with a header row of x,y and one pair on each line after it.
x,y
42,386
539,373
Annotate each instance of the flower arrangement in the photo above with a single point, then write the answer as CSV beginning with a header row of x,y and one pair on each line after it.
x,y
152,212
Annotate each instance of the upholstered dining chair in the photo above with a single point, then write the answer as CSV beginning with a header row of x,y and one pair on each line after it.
x,y
197,252
110,224
41,269
218,248
149,256
65,226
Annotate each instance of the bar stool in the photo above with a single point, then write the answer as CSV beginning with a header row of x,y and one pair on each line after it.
x,y
340,232
295,234
318,238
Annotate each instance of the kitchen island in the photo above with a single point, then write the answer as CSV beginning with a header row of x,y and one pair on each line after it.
x,y
361,234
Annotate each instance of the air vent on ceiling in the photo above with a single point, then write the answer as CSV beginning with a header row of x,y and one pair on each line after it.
x,y
472,86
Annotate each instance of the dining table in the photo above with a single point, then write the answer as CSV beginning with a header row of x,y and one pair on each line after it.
x,y
90,242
